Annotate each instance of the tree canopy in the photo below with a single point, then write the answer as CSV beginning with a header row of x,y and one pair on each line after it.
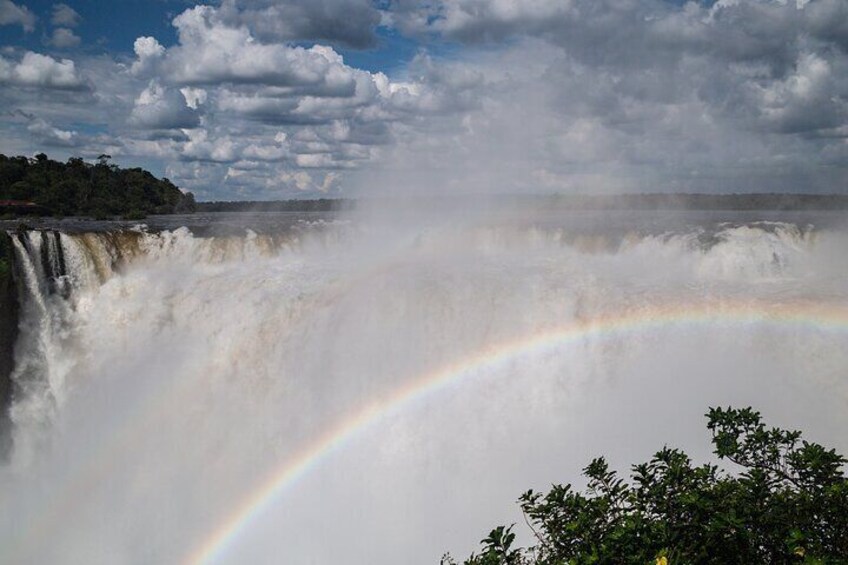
x,y
77,188
787,503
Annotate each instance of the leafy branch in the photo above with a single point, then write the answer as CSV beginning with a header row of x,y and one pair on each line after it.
x,y
788,504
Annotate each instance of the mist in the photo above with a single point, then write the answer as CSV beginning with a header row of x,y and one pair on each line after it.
x,y
176,373
505,302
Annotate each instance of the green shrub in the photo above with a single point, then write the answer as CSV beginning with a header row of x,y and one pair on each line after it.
x,y
787,503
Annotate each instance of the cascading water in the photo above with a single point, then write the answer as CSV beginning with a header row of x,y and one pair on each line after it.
x,y
353,395
39,368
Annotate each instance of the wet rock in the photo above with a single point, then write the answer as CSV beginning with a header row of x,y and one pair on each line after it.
x,y
9,308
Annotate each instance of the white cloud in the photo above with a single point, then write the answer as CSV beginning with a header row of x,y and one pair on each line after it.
x,y
223,149
545,120
307,182
261,98
148,52
11,13
478,20
266,152
65,16
50,135
255,105
64,38
301,180
211,52
194,97
38,70
611,95
158,107
804,100
647,33
349,22
315,160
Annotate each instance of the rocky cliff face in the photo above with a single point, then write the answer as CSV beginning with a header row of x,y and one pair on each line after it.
x,y
43,272
8,335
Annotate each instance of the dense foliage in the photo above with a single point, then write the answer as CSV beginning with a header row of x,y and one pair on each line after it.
x,y
77,188
787,504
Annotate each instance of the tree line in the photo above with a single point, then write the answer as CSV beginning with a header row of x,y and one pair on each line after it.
x,y
77,188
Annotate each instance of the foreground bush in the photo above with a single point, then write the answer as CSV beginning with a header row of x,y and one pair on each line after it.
x,y
787,504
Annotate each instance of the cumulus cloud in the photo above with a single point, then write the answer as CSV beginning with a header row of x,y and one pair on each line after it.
x,y
43,71
308,182
641,95
347,22
530,95
212,52
158,107
479,20
272,102
148,52
805,100
202,147
65,16
11,14
194,97
252,180
546,121
592,27
64,38
52,136
631,33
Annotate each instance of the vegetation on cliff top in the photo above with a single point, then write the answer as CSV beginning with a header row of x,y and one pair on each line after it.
x,y
788,504
77,188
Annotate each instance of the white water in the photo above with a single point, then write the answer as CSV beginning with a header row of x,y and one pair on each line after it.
x,y
179,371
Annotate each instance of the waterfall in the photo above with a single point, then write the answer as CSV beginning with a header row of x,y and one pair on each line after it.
x,y
407,383
45,326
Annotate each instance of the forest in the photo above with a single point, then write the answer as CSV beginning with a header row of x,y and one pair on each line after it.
x,y
42,186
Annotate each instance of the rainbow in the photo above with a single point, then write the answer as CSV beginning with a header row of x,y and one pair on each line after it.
x,y
801,315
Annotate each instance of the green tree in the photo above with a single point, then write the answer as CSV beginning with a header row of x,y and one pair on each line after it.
x,y
186,205
79,188
787,503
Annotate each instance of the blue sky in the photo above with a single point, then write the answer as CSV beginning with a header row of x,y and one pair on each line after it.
x,y
102,32
264,99
104,26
